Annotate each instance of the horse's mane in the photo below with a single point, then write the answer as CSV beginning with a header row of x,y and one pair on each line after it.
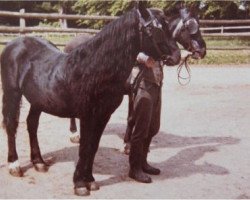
x,y
108,43
109,56
79,39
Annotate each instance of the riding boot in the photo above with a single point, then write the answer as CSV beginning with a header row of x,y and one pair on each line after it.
x,y
145,166
127,137
135,161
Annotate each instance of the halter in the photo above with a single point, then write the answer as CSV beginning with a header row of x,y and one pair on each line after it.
x,y
153,29
186,22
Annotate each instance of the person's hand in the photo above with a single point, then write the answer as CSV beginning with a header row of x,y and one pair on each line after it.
x,y
185,53
150,63
146,60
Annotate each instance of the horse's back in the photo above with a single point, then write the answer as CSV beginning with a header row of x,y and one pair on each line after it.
x,y
26,48
33,66
17,55
31,45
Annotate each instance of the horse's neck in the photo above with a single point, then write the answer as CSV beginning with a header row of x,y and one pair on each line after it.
x,y
113,50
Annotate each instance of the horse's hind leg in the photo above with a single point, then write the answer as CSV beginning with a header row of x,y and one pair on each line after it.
x,y
11,110
74,136
32,123
73,127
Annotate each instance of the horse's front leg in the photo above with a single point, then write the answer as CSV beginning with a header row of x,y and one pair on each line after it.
x,y
91,129
32,125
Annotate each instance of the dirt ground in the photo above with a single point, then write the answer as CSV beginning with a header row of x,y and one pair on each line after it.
x,y
203,147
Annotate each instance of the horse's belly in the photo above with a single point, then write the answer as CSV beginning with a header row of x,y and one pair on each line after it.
x,y
63,114
49,103
110,102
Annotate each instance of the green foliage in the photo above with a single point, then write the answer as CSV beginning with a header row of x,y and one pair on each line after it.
x,y
215,9
90,7
111,8
46,23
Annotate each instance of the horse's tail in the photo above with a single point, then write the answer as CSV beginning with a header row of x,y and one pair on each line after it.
x,y
11,92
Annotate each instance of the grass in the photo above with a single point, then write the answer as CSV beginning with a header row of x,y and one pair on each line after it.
x,y
214,57
221,57
227,42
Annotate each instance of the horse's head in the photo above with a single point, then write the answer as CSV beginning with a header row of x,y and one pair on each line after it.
x,y
184,26
155,37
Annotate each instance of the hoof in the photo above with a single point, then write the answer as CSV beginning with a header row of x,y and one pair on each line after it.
x,y
75,138
17,172
49,161
41,167
127,149
92,186
82,191
140,176
15,169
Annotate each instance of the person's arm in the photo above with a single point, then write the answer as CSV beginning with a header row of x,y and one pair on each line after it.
x,y
145,59
185,53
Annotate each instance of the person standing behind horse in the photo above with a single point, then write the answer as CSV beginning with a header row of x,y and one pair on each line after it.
x,y
145,116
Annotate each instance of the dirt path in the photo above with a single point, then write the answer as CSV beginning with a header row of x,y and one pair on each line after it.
x,y
203,148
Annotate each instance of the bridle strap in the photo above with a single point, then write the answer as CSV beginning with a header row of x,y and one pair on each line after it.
x,y
140,35
177,28
142,26
159,52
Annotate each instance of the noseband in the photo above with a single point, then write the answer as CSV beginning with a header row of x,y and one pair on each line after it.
x,y
153,29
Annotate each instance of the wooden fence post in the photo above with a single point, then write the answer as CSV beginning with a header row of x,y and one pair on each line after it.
x,y
22,21
63,22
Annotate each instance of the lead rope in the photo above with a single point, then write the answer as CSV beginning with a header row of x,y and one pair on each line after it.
x,y
187,79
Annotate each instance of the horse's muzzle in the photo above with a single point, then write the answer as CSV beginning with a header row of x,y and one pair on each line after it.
x,y
198,50
199,53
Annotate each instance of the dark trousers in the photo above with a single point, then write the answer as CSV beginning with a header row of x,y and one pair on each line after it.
x,y
146,118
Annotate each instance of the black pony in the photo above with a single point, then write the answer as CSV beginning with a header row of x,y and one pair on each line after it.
x,y
179,19
87,83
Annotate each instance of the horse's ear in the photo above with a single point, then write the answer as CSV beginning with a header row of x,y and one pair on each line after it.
x,y
173,8
141,6
195,8
179,4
